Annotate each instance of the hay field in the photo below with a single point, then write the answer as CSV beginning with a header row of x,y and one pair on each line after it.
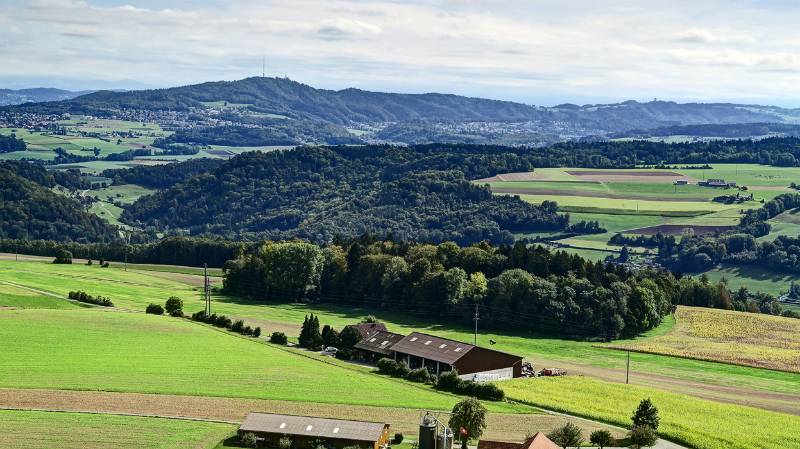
x,y
740,338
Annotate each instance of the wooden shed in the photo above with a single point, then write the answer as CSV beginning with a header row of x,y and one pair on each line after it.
x,y
305,431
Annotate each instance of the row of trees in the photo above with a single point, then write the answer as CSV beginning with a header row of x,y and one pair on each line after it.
x,y
11,143
517,287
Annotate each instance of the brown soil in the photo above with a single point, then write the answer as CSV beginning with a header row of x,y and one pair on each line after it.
x,y
673,229
627,175
500,425
584,193
520,176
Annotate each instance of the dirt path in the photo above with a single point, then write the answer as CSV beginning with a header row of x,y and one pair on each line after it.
x,y
500,425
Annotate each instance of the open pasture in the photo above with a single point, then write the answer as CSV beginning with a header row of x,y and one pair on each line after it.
x,y
136,288
20,298
22,429
695,422
758,340
93,349
754,278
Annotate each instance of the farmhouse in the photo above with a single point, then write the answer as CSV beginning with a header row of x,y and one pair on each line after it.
x,y
440,354
538,441
366,329
377,345
716,183
305,431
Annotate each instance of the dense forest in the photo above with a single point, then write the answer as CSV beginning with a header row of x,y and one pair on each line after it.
x,y
516,287
11,143
193,252
161,176
30,210
318,193
271,132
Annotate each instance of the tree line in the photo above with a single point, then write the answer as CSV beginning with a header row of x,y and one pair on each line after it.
x,y
11,143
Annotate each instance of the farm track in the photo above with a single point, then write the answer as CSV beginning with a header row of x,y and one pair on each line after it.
x,y
233,410
777,402
590,194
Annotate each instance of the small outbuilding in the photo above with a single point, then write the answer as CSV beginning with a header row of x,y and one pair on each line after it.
x,y
538,441
377,345
441,354
306,431
367,329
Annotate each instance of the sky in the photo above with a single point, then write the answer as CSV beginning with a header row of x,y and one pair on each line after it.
x,y
537,52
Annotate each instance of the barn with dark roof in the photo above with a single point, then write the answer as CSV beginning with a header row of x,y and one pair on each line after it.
x,y
441,354
377,345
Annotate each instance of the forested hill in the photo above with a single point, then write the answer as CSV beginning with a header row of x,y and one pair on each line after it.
x,y
319,193
287,98
30,210
39,94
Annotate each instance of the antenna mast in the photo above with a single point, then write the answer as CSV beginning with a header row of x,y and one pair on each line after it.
x,y
263,66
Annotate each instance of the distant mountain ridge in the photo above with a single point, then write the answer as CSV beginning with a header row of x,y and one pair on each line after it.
x,y
411,118
37,95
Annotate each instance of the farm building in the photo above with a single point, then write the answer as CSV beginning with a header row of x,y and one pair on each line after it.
x,y
538,441
681,182
366,329
305,431
716,183
377,345
440,354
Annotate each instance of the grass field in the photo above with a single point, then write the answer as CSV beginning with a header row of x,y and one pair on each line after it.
x,y
695,422
133,352
21,298
57,430
754,278
136,288
758,340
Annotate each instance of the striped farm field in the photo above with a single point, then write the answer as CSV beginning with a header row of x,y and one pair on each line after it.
x,y
58,430
758,340
698,423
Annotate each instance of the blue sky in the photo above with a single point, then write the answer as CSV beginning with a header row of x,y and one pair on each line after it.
x,y
540,52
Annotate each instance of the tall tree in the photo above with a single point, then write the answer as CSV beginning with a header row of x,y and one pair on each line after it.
x,y
468,419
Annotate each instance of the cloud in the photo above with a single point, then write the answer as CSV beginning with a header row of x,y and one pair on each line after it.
x,y
537,52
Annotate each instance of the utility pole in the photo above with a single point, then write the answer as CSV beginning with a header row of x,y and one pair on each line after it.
x,y
628,369
476,324
206,293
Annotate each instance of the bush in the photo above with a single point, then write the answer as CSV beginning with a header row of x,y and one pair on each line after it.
x,y
284,442
199,316
237,326
247,331
105,265
450,382
279,338
387,366
642,436
249,440
176,313
173,303
63,257
420,375
154,309
398,438
89,262
257,332
601,438
402,370
89,299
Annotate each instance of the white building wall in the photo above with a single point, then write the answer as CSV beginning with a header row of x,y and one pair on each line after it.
x,y
490,376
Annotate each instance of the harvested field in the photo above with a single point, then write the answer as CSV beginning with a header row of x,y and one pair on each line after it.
x,y
757,340
582,193
519,176
626,175
677,229
402,420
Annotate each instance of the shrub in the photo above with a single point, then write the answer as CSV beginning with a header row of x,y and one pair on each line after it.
x,y
398,438
89,262
642,436
402,369
278,338
249,440
176,313
449,381
387,366
154,309
247,331
63,257
173,303
89,299
601,438
568,435
257,332
199,316
420,375
237,326
105,265
284,442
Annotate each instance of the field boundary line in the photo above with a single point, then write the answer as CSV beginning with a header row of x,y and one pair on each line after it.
x,y
136,415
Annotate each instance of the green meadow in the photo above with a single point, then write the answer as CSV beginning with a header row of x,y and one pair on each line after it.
x,y
94,349
21,429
